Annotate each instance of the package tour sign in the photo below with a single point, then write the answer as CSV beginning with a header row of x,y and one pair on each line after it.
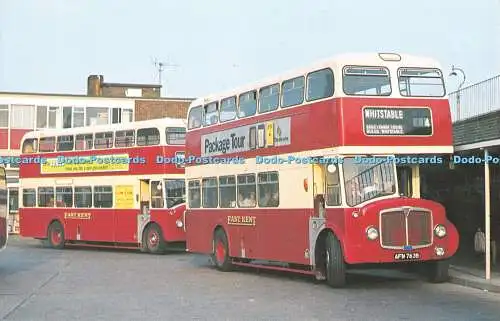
x,y
266,134
407,121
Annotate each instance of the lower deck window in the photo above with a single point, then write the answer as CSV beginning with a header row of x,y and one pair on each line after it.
x,y
29,197
83,197
247,190
103,196
194,200
46,197
64,196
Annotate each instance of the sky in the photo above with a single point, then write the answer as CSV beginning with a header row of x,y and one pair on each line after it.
x,y
53,45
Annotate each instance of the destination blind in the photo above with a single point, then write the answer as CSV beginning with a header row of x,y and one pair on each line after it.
x,y
408,121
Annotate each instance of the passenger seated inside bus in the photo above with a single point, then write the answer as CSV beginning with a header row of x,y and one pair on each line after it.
x,y
247,201
268,199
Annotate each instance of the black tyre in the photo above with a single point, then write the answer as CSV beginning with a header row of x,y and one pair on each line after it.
x,y
153,239
220,256
55,235
437,271
334,261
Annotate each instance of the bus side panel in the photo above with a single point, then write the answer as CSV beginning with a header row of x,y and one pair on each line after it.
x,y
34,222
83,224
125,226
166,219
200,226
4,234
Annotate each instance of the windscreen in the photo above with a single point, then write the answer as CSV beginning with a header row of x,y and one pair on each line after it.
x,y
366,81
420,82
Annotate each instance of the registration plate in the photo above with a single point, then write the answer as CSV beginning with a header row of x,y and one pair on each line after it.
x,y
407,256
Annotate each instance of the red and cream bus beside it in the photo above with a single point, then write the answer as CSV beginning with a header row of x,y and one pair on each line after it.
x,y
330,177
117,185
4,213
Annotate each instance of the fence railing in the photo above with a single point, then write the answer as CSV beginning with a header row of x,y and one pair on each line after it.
x,y
474,100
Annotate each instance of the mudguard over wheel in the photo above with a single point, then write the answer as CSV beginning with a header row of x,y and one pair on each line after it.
x,y
220,256
334,261
55,235
153,239
437,271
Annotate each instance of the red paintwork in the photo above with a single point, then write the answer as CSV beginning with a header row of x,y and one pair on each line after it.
x,y
335,122
4,138
16,135
283,234
149,154
106,225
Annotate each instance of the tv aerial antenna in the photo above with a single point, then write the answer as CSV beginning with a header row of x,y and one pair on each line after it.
x,y
160,67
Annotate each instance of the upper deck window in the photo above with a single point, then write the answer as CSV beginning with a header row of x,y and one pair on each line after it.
x,y
269,98
47,144
366,81
148,136
227,109
103,140
176,135
419,82
248,104
65,143
84,141
125,138
30,146
292,92
211,114
319,84
195,117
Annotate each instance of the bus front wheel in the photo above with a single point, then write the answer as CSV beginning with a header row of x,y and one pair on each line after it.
x,y
220,256
154,239
55,235
334,261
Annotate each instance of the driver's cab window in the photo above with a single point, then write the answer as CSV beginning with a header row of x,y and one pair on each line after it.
x,y
156,194
175,192
332,182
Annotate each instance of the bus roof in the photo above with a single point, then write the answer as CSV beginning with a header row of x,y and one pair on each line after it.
x,y
360,59
161,122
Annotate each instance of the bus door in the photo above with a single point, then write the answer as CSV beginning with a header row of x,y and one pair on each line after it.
x,y
409,180
144,206
3,209
319,190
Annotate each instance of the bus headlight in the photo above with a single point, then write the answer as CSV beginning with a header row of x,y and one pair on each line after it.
x,y
440,231
178,223
372,233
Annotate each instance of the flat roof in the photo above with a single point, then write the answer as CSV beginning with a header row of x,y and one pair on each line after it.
x,y
20,93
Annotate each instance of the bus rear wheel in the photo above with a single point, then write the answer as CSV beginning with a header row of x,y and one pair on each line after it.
x,y
153,239
334,261
437,271
220,256
55,235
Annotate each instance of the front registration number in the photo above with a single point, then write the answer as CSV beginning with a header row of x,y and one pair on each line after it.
x,y
407,256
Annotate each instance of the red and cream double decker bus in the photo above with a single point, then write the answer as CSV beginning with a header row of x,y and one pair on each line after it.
x,y
330,177
116,185
4,213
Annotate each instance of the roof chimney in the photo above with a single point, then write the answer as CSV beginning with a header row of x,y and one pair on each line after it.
x,y
94,85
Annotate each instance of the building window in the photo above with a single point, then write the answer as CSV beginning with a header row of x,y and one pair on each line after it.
x,y
103,140
84,142
156,195
175,192
124,138
4,116
83,197
67,117
176,135
22,116
248,104
29,197
116,116
47,144
103,196
269,98
319,84
41,116
194,194
195,117
97,116
64,196
209,192
227,191
292,92
227,109
268,189
65,143
79,117
46,197
211,114
30,146
53,117
247,190
148,136
127,115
